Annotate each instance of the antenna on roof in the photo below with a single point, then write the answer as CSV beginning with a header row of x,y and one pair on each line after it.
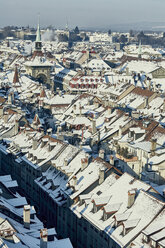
x,y
38,19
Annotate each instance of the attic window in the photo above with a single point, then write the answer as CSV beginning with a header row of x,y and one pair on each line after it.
x,y
99,192
145,238
153,243
129,225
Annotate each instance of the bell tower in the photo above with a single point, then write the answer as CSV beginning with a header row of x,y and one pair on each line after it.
x,y
38,42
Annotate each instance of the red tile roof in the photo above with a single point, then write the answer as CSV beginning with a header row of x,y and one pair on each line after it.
x,y
142,92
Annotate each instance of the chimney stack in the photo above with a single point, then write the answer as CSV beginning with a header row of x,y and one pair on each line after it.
x,y
109,111
153,147
101,176
127,71
84,163
80,109
111,161
146,102
131,197
65,162
16,127
74,180
164,106
1,111
94,126
5,116
101,153
26,216
43,238
120,131
10,100
34,144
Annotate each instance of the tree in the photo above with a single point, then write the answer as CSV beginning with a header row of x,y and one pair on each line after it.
x,y
76,30
125,153
122,38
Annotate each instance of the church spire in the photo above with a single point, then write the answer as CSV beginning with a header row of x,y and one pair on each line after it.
x,y
38,42
38,34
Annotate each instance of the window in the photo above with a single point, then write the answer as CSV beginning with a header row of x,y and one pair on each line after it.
x,y
99,192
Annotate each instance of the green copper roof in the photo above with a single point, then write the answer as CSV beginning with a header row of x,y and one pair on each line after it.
x,y
38,35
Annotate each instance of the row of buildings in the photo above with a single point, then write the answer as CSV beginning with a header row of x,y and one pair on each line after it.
x,y
89,156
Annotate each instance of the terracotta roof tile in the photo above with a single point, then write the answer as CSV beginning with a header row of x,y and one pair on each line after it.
x,y
142,92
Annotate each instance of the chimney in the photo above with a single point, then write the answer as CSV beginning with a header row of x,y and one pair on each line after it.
x,y
58,129
5,116
120,131
98,136
74,180
111,161
109,111
127,71
16,127
146,102
65,162
164,106
131,197
74,110
80,108
10,100
26,216
1,111
129,134
94,126
101,176
43,238
34,144
101,153
153,147
84,163
96,104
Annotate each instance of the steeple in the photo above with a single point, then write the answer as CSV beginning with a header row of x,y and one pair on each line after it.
x,y
38,35
38,43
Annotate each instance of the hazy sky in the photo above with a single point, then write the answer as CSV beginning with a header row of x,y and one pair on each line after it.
x,y
84,13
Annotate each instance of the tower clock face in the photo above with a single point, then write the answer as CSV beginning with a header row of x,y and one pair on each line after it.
x,y
38,45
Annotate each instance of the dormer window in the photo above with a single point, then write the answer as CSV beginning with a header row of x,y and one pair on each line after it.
x,y
110,209
129,225
99,202
145,238
153,244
